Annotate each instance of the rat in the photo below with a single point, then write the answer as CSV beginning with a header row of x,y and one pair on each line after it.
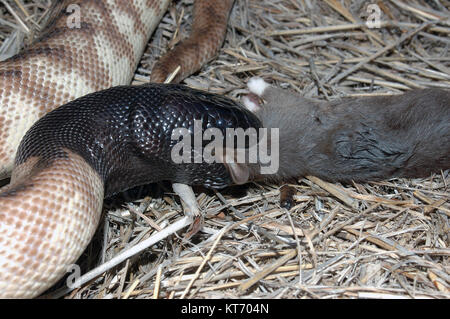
x,y
350,139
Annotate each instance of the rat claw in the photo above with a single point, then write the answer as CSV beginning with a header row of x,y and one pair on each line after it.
x,y
190,207
257,86
195,227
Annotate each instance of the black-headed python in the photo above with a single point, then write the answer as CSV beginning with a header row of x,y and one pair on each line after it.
x,y
51,208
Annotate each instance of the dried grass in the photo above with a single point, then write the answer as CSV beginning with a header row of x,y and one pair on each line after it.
x,y
376,240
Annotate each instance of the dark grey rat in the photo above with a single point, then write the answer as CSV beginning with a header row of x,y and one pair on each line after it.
x,y
351,139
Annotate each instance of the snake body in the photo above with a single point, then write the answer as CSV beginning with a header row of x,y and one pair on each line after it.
x,y
51,208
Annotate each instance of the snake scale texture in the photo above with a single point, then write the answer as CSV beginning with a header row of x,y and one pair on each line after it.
x,y
51,208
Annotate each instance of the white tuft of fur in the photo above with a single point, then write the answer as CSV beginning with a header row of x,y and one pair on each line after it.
x,y
250,105
257,85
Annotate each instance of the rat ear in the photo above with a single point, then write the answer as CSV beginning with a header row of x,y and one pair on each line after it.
x,y
239,172
251,102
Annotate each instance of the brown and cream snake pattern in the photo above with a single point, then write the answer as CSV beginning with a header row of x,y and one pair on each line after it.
x,y
48,215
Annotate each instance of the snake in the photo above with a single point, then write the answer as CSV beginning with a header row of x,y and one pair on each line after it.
x,y
73,132
64,167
